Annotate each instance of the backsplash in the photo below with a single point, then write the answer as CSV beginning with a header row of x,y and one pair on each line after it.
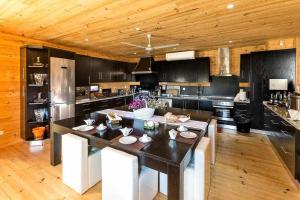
x,y
219,86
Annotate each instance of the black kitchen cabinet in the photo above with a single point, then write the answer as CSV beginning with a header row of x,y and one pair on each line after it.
x,y
85,108
95,70
196,70
245,66
264,66
203,69
162,69
284,137
177,103
241,108
205,105
191,104
82,70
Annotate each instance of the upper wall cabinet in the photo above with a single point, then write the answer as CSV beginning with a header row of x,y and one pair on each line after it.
x,y
93,70
245,68
82,70
184,70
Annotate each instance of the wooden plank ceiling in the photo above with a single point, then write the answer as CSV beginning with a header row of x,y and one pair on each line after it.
x,y
101,25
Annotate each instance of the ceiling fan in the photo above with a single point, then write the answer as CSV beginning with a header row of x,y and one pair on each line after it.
x,y
149,48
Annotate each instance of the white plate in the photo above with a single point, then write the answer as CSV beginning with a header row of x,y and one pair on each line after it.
x,y
127,140
103,129
188,135
185,129
149,139
83,128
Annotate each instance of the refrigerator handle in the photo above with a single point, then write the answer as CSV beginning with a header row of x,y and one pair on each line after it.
x,y
89,80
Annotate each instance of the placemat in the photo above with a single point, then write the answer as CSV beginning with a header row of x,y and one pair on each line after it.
x,y
131,147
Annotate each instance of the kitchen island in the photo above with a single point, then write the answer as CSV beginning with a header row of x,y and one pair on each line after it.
x,y
162,154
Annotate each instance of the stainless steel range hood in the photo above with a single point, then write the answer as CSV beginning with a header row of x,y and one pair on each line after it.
x,y
144,66
224,62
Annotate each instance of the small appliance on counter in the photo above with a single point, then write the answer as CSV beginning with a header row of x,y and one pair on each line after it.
x,y
241,96
82,93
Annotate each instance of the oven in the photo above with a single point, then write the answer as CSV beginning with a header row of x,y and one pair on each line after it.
x,y
223,110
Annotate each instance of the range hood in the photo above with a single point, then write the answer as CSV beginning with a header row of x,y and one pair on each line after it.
x,y
144,66
224,61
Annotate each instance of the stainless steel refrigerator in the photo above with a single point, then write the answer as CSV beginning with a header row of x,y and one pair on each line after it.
x,y
62,88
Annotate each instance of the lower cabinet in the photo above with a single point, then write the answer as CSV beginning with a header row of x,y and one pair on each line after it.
x,y
283,137
89,107
192,104
177,103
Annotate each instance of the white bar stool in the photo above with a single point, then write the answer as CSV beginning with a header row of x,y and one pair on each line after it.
x,y
212,134
196,175
80,169
121,179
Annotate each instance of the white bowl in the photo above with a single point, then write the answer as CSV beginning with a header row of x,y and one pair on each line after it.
x,y
144,113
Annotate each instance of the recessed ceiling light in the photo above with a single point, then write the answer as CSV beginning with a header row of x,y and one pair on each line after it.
x,y
137,29
230,6
134,53
86,39
230,41
174,48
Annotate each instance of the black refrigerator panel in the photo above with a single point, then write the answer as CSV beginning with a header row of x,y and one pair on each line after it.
x,y
257,115
279,64
257,76
257,84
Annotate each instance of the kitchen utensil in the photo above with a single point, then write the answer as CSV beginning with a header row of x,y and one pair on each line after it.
x,y
89,122
101,127
172,134
145,139
126,131
181,128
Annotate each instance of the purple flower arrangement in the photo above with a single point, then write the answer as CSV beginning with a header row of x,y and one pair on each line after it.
x,y
141,101
137,103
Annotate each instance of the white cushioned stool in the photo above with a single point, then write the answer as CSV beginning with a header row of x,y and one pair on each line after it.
x,y
196,175
212,134
121,179
80,170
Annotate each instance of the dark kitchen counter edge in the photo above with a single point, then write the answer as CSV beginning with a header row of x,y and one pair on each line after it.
x,y
102,99
282,112
201,98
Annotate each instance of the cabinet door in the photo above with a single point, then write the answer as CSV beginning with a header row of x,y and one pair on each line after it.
x,y
161,67
203,69
95,69
192,104
118,102
82,70
205,105
177,103
245,65
101,105
83,108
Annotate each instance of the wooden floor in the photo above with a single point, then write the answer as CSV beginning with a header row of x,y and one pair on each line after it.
x,y
246,168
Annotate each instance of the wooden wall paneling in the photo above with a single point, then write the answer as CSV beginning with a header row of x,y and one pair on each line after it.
x,y
198,25
297,44
11,83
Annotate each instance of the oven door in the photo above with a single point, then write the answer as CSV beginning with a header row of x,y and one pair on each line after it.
x,y
223,113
